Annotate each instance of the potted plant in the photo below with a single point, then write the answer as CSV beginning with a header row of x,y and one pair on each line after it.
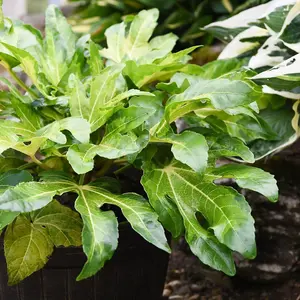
x,y
88,118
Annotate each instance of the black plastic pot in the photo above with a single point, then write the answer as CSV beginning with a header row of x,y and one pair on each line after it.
x,y
136,272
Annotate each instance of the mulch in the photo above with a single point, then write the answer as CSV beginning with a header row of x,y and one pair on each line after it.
x,y
188,279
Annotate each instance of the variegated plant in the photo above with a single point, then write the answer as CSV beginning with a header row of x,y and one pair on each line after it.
x,y
266,36
89,113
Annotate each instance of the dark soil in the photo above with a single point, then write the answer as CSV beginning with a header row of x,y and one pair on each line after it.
x,y
188,279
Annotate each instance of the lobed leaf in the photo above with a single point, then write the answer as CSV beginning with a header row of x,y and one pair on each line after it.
x,y
248,177
100,246
226,212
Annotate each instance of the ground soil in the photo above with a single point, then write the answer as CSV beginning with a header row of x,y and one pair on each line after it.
x,y
188,279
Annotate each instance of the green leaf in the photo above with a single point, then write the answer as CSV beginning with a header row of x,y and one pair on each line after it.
x,y
95,60
245,128
224,145
7,179
79,102
81,158
226,211
190,148
10,163
22,36
60,44
119,139
79,128
204,244
30,196
249,178
141,30
168,212
115,38
27,247
222,93
63,225
15,92
135,44
220,67
282,79
107,92
160,46
127,119
29,240
154,104
160,70
27,62
6,217
13,178
29,117
99,245
138,213
280,121
99,235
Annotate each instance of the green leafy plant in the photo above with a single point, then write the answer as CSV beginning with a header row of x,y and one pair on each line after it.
x,y
184,18
266,37
88,114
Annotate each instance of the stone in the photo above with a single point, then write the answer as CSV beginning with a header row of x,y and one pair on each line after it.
x,y
183,290
195,287
176,297
167,293
195,297
174,284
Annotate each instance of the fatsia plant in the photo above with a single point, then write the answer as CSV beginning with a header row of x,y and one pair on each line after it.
x,y
266,36
88,114
183,17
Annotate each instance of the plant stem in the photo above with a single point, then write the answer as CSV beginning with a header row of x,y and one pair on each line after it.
x,y
105,168
35,160
120,161
21,83
81,179
39,163
122,169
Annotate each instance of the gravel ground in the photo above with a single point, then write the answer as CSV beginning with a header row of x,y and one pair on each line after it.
x,y
188,279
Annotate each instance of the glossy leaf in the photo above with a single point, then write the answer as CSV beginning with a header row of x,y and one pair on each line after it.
x,y
248,177
135,44
30,196
79,128
7,179
6,217
224,145
222,93
203,243
63,225
226,212
99,235
100,246
27,247
13,178
29,240
59,44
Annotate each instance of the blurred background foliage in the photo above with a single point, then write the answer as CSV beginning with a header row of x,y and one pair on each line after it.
x,y
185,18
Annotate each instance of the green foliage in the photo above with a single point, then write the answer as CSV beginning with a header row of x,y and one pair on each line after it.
x,y
267,36
90,113
183,17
